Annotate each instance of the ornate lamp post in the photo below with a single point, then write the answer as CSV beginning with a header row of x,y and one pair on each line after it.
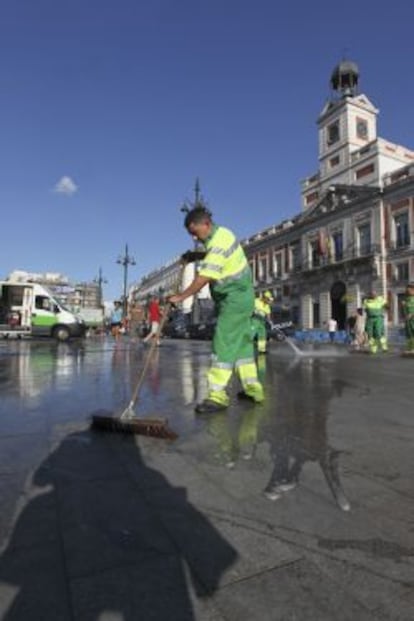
x,y
100,280
125,261
185,208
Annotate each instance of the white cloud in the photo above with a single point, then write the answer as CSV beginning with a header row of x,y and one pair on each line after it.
x,y
66,185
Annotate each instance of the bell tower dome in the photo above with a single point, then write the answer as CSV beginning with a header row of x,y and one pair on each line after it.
x,y
344,79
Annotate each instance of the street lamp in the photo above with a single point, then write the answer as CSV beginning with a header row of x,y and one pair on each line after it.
x,y
125,260
186,207
100,280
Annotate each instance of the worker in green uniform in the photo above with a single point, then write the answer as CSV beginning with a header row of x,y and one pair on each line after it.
x,y
225,268
408,310
261,317
374,306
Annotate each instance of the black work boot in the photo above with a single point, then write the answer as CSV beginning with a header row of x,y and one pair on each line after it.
x,y
209,407
245,397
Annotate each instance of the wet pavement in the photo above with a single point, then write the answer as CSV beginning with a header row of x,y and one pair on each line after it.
x,y
299,509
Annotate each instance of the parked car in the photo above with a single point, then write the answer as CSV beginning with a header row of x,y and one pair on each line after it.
x,y
176,325
179,326
202,331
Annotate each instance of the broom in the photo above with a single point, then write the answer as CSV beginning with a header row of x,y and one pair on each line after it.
x,y
127,421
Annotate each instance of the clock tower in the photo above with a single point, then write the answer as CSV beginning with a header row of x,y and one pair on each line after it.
x,y
347,133
347,123
350,151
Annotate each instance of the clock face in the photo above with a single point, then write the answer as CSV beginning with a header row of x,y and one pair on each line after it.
x,y
362,129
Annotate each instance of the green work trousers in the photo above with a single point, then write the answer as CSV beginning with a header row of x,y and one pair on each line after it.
x,y
409,333
233,348
259,332
374,328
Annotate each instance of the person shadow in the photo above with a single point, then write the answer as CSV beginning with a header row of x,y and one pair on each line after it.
x,y
101,536
298,433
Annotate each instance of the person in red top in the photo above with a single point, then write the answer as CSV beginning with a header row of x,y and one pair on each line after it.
x,y
153,317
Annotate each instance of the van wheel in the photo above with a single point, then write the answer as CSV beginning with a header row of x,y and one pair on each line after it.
x,y
61,333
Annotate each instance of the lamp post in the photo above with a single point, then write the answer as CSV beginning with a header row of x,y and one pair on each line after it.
x,y
125,261
100,280
185,208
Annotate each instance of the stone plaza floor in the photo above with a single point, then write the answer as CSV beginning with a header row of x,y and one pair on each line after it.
x,y
299,509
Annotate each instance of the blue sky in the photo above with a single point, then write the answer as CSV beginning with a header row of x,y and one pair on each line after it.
x,y
126,102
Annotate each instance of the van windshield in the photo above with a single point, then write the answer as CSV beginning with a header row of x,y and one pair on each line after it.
x,y
56,300
59,302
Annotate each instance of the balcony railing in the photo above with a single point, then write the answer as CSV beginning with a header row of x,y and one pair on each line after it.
x,y
348,254
399,244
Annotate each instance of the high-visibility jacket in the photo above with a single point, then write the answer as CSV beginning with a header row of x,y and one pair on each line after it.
x,y
262,309
225,263
374,307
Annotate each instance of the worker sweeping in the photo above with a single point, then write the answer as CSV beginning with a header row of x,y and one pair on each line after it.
x,y
225,268
374,306
261,318
408,311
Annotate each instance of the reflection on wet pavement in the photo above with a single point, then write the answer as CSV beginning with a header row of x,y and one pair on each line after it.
x,y
52,384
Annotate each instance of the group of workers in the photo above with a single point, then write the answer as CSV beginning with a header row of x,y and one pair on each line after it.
x,y
241,318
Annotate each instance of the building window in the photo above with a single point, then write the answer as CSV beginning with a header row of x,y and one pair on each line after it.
x,y
316,314
312,197
364,239
315,257
277,264
402,271
402,232
262,268
337,240
333,133
362,129
364,171
334,161
295,261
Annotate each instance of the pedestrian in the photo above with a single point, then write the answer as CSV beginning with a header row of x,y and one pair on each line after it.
x,y
359,330
153,318
408,311
374,306
332,328
350,328
261,318
226,270
116,319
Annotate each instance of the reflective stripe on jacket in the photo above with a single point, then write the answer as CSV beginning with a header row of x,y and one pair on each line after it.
x,y
225,262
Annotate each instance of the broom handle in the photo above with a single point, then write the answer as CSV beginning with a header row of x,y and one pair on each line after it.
x,y
149,355
153,345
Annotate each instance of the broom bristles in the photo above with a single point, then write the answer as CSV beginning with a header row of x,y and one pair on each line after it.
x,y
154,427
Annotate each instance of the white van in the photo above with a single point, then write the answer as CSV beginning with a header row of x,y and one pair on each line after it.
x,y
30,309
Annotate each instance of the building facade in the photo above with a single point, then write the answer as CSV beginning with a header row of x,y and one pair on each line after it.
x,y
355,232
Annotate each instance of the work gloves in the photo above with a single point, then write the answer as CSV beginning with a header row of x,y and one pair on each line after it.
x,y
193,255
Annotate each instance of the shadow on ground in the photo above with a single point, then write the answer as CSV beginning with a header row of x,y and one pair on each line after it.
x,y
104,537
